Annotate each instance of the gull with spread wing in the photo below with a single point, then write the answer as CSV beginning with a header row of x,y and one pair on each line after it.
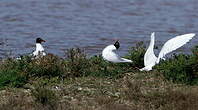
x,y
151,60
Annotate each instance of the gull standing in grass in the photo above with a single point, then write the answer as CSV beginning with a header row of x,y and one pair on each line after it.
x,y
39,48
37,53
109,54
151,60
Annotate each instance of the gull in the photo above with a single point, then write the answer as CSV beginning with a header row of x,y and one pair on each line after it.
x,y
109,54
39,52
39,48
151,60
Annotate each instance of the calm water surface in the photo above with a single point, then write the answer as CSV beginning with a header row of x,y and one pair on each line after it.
x,y
92,24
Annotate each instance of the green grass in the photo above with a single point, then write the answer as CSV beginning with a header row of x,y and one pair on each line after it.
x,y
16,73
181,68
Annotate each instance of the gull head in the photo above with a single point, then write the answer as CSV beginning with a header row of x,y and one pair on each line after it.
x,y
39,40
117,44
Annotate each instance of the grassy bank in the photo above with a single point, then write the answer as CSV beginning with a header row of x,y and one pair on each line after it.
x,y
79,82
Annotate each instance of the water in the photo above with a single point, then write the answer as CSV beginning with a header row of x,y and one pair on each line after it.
x,y
92,24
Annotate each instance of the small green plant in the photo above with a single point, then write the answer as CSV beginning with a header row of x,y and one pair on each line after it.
x,y
77,64
195,60
49,66
136,54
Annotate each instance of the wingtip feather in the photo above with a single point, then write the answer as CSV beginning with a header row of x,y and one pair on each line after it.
x,y
191,35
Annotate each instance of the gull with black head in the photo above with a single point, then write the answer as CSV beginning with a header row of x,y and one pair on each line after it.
x,y
110,55
40,51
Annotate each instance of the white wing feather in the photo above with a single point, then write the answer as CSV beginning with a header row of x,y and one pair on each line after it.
x,y
126,60
149,57
113,57
174,44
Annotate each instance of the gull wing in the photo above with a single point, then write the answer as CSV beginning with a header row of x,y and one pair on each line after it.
x,y
126,60
149,56
117,59
174,44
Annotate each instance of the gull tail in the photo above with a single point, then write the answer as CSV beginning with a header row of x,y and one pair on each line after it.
x,y
147,68
126,60
142,69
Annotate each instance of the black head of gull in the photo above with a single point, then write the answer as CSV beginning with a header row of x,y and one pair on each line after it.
x,y
117,44
39,40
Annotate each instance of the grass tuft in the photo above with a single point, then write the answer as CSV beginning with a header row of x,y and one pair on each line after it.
x,y
46,97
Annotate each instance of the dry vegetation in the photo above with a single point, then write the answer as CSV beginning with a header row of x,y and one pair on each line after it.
x,y
142,91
